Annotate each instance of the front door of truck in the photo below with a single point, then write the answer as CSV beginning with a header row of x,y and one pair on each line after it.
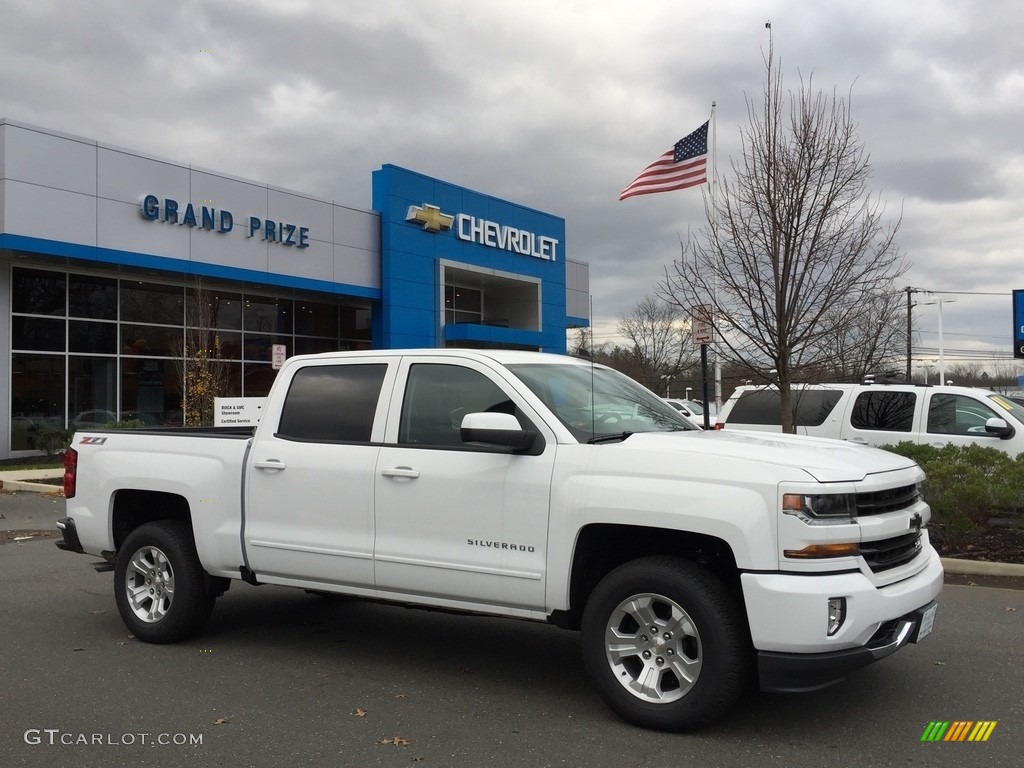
x,y
456,522
309,500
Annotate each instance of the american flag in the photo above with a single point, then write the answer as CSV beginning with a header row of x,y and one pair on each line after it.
x,y
685,165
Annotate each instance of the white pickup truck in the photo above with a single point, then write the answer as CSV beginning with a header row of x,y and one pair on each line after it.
x,y
531,486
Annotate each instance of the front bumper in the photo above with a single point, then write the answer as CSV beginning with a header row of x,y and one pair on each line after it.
x,y
788,618
70,542
792,672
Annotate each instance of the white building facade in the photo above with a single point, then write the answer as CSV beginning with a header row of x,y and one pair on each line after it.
x,y
113,263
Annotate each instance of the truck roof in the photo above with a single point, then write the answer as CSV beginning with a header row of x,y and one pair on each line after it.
x,y
502,356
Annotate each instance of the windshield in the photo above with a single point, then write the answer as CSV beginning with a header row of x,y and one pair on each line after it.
x,y
1008,405
594,402
695,407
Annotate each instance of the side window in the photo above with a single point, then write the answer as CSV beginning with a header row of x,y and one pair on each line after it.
x,y
884,411
332,403
813,406
758,407
437,396
957,415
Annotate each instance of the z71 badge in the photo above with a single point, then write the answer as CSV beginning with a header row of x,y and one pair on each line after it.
x,y
92,441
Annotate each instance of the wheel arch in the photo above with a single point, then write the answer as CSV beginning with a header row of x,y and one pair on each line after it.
x,y
134,507
602,547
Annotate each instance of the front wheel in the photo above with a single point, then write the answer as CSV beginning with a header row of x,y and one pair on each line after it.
x,y
159,584
666,644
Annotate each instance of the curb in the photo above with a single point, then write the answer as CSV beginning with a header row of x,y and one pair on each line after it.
x,y
981,567
26,485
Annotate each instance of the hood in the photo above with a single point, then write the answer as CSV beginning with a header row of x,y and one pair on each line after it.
x,y
827,461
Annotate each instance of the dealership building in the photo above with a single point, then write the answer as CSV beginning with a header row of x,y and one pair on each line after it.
x,y
113,263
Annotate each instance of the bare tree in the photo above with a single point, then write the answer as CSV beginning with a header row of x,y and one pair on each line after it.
x,y
660,346
871,341
795,247
1004,375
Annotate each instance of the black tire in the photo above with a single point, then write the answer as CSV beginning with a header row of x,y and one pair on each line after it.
x,y
160,587
689,671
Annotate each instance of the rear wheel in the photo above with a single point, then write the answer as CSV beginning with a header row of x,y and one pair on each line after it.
x,y
666,644
160,587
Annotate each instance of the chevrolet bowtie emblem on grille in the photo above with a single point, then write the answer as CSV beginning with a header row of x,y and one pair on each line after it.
x,y
430,217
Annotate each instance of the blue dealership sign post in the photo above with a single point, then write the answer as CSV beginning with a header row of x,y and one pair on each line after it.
x,y
1018,324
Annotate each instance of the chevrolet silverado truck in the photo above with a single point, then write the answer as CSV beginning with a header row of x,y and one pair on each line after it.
x,y
531,486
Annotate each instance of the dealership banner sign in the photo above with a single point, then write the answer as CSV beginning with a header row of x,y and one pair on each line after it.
x,y
170,211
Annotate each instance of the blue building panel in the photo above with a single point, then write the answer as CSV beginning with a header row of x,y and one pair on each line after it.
x,y
426,221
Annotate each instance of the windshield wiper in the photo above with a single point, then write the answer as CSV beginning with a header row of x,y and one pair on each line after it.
x,y
609,438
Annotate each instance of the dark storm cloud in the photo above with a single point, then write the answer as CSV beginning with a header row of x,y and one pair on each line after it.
x,y
556,105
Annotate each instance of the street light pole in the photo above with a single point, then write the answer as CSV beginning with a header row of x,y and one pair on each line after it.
x,y
942,357
910,331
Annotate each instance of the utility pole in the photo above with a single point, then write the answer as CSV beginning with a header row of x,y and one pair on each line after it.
x,y
910,329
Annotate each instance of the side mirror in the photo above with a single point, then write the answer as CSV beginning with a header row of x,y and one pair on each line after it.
x,y
496,430
999,428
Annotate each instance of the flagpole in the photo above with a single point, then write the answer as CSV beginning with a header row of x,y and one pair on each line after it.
x,y
714,225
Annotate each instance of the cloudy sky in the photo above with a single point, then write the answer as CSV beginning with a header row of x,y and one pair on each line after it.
x,y
558,104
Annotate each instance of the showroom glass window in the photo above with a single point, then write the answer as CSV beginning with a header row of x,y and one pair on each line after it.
x,y
91,349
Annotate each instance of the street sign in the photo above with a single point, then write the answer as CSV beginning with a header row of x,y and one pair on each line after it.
x,y
278,353
702,324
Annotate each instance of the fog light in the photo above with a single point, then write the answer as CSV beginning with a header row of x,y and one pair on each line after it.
x,y
836,614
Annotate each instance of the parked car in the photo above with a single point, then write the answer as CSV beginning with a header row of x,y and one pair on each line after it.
x,y
691,409
93,418
884,414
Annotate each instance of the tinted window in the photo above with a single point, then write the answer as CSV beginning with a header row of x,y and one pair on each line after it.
x,y
758,407
92,337
812,407
438,396
332,403
92,297
884,411
152,303
36,292
37,334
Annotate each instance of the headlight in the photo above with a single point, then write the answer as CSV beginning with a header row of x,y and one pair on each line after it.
x,y
821,508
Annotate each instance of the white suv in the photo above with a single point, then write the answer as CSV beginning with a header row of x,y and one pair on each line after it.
x,y
884,414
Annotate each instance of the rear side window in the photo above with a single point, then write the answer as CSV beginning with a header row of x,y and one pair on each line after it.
x,y
812,407
758,407
884,411
332,403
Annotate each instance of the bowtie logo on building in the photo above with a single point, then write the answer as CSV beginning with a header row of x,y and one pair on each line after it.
x,y
430,217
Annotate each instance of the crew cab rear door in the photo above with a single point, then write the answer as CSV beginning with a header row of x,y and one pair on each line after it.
x,y
309,501
454,521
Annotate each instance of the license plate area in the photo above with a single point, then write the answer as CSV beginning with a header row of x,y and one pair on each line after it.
x,y
925,622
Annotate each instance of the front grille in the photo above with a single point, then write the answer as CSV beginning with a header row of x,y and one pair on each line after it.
x,y
891,553
891,500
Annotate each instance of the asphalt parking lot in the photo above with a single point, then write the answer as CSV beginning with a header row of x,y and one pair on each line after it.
x,y
282,678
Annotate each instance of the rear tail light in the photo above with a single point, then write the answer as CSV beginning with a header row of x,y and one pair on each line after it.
x,y
719,425
70,472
